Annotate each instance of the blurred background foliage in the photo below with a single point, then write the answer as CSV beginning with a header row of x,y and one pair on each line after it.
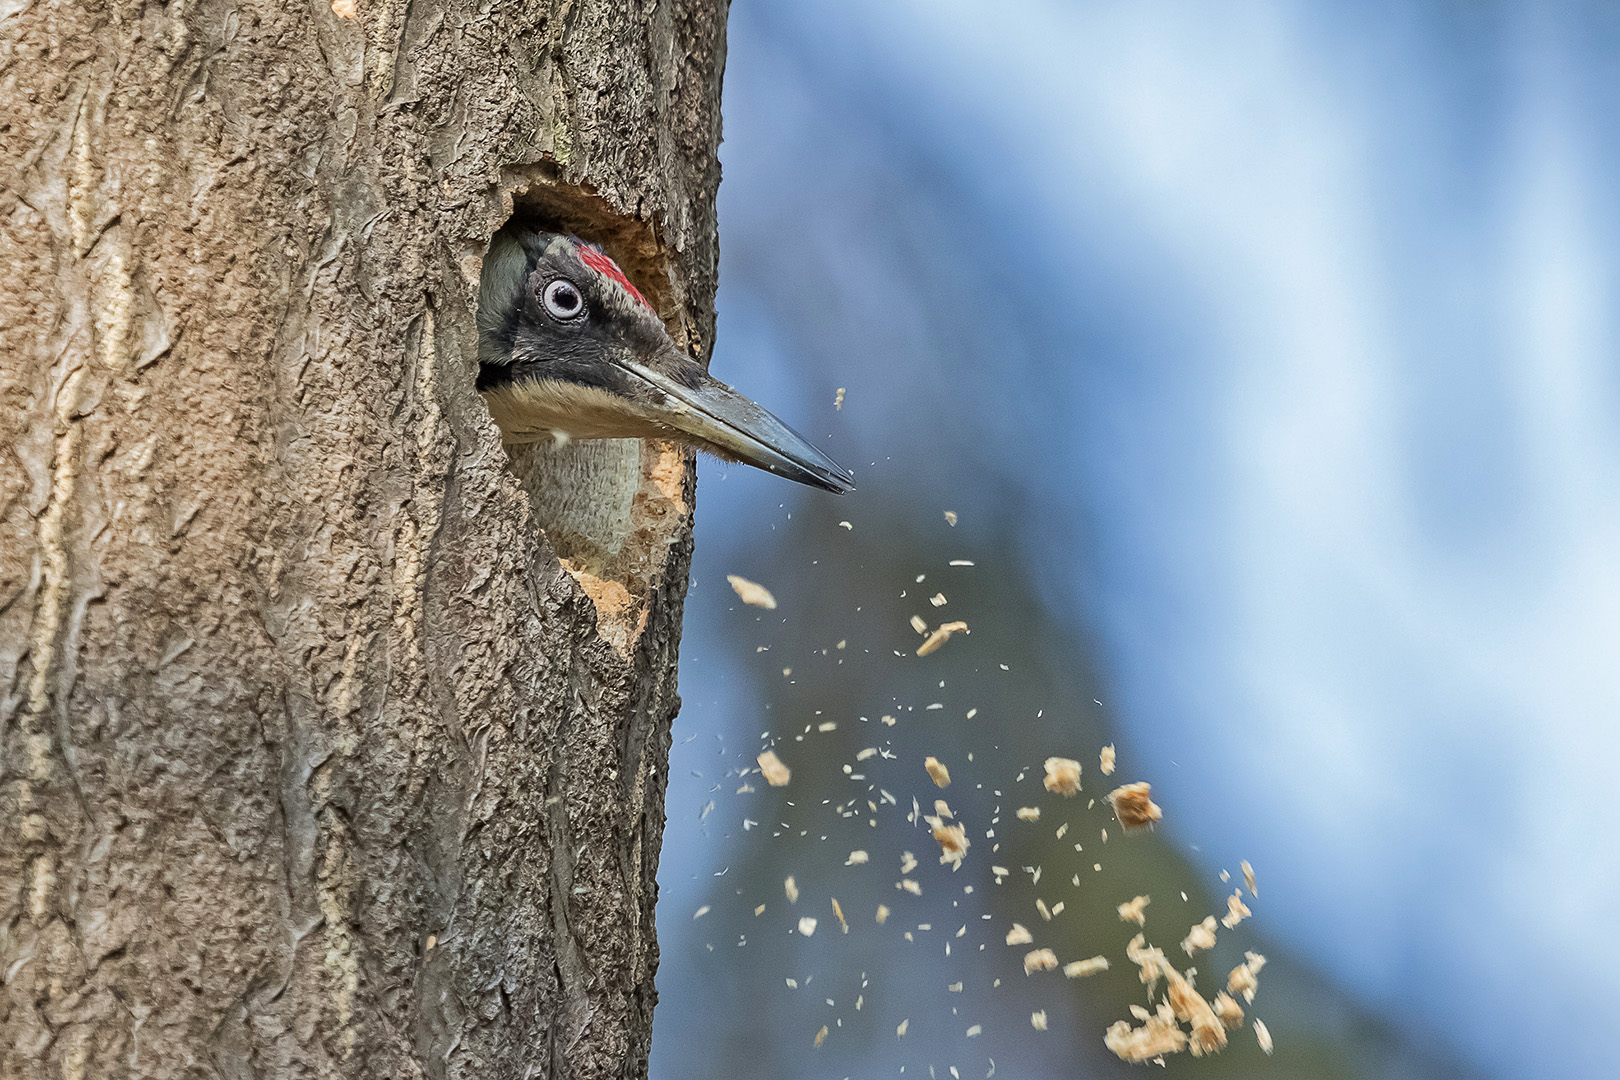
x,y
1267,355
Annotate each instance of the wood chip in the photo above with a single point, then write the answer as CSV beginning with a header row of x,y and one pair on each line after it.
x,y
1208,1033
807,925
952,840
1133,807
1263,1035
791,888
1236,910
1019,935
1158,1035
1107,762
940,774
950,518
941,635
856,858
1029,813
1062,776
1248,879
1243,979
1183,1002
1135,910
1200,937
1037,1020
752,593
1089,966
1039,960
770,766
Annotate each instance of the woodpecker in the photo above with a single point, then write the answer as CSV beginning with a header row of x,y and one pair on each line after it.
x,y
568,349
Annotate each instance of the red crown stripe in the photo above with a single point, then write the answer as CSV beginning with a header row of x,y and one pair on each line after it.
x,y
608,268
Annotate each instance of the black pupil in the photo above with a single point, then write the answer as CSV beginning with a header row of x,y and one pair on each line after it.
x,y
565,298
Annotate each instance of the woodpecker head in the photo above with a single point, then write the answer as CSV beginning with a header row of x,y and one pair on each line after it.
x,y
567,348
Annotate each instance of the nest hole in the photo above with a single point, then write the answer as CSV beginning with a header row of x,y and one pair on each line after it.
x,y
610,508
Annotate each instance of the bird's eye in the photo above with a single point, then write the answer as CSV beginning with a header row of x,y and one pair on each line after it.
x,y
563,299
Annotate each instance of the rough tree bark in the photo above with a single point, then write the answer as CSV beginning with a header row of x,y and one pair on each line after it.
x,y
319,756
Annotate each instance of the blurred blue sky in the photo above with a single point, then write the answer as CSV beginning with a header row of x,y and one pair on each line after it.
x,y
1288,334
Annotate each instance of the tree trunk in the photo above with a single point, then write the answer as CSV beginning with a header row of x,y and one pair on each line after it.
x,y
321,756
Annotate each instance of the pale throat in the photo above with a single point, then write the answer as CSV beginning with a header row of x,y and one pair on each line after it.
x,y
535,410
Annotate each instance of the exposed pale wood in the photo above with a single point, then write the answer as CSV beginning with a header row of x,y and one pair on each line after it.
x,y
314,758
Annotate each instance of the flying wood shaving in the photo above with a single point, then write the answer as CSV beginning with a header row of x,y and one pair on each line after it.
x,y
770,766
882,914
838,911
918,625
1037,1020
1229,1011
1135,910
1029,813
1184,1003
1158,1035
1236,910
950,518
1133,807
1107,762
1263,1035
940,774
940,636
821,1036
1039,960
856,858
1208,1033
752,593
1248,879
1148,958
838,400
1089,966
952,839
1243,978
791,888
1200,937
807,925
1019,935
1062,776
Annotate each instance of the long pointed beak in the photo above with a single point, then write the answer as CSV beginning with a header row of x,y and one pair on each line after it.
x,y
737,427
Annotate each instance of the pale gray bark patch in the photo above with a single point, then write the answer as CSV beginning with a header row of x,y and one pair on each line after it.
x,y
315,757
